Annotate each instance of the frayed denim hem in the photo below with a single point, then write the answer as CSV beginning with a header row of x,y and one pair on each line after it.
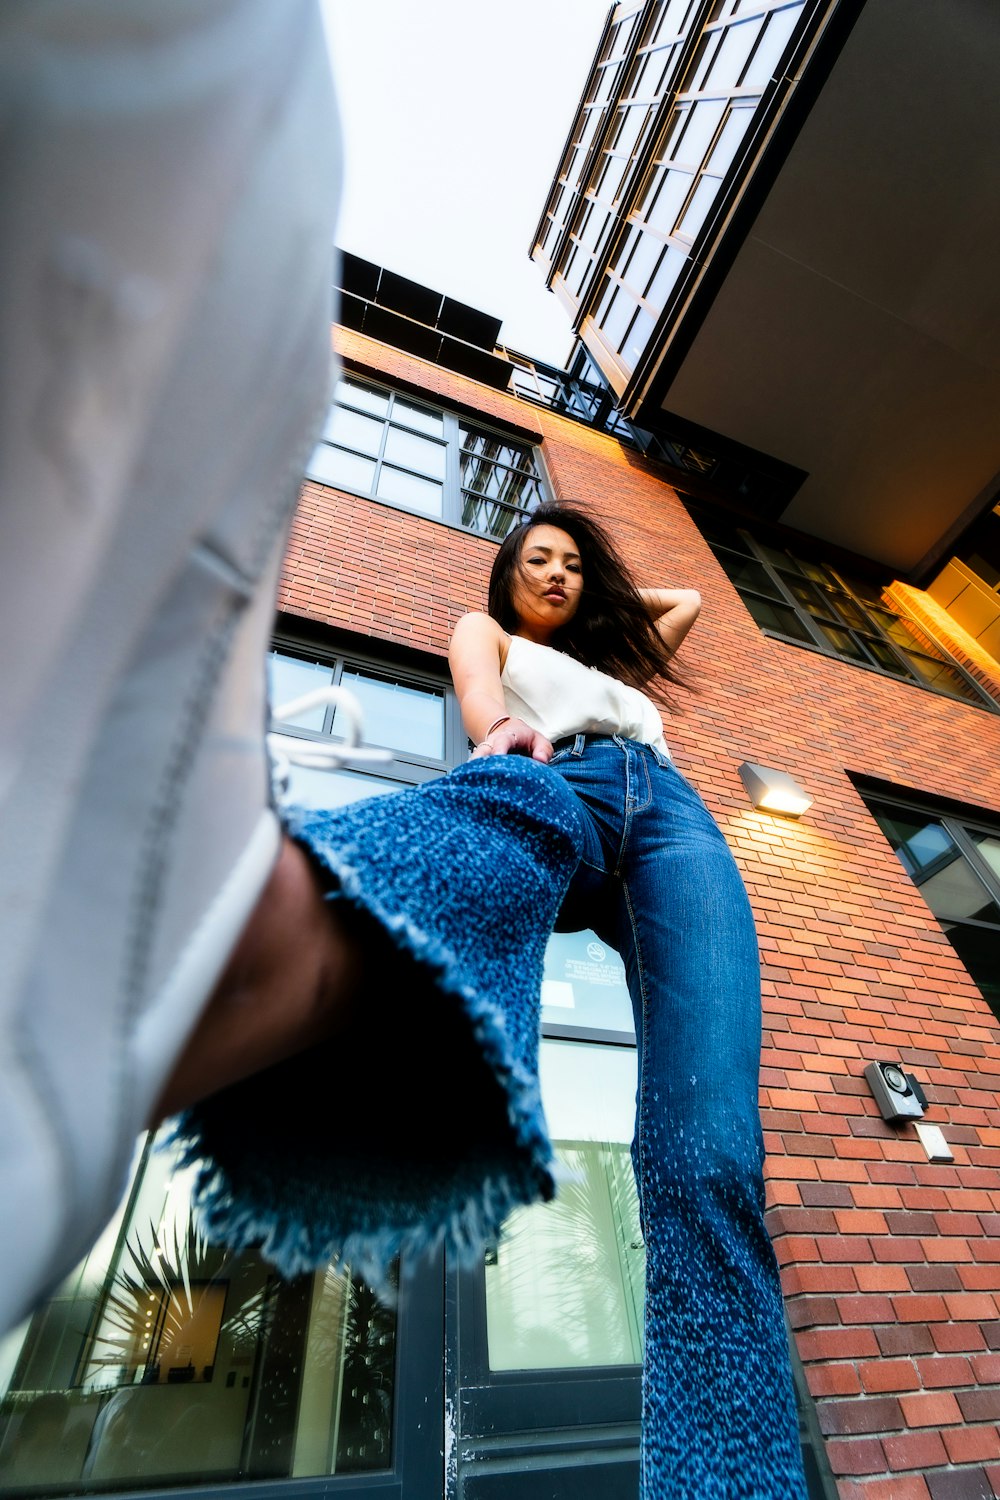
x,y
423,1125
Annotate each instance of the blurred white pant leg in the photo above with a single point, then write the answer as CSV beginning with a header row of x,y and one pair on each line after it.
x,y
169,178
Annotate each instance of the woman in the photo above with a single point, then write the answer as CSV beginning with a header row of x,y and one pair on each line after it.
x,y
406,1111
554,672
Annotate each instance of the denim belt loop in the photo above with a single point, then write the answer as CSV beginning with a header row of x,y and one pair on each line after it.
x,y
579,745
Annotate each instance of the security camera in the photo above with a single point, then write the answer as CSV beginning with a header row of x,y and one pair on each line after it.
x,y
897,1094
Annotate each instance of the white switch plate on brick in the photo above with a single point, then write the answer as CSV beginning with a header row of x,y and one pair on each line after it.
x,y
934,1143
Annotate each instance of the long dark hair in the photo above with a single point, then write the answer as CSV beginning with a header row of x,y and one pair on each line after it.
x,y
611,629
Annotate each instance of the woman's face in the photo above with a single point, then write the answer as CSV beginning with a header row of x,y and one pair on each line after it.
x,y
549,582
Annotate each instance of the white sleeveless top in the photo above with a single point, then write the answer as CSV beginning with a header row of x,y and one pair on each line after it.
x,y
559,696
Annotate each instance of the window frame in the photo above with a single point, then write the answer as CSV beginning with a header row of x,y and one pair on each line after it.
x,y
451,440
956,825
756,551
406,767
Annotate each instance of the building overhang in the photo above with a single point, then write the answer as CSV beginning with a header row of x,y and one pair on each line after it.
x,y
855,334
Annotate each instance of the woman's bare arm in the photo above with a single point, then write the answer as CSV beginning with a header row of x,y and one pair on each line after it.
x,y
475,657
673,612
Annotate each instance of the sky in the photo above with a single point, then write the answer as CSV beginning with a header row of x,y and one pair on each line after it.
x,y
455,113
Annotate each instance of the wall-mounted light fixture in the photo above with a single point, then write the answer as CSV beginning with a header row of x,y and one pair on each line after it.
x,y
774,791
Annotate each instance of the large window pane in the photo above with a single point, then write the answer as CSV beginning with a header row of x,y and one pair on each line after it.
x,y
729,141
420,417
703,121
697,210
934,862
979,950
772,46
309,787
353,394
778,617
412,452
565,1287
663,282
989,848
732,55
584,983
382,444
352,430
290,678
408,489
489,517
165,1360
397,714
745,573
843,642
344,471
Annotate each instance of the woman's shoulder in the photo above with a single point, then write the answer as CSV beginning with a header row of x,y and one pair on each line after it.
x,y
476,632
478,625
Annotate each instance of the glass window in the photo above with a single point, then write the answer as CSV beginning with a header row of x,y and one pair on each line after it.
x,y
934,862
165,1360
408,715
344,471
411,491
397,714
398,451
697,210
420,417
773,43
663,282
780,618
956,868
747,573
806,600
308,787
729,141
365,397
289,678
351,430
565,1286
412,452
703,121
584,984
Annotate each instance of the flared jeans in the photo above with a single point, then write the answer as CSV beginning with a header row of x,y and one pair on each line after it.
x,y
657,881
424,1125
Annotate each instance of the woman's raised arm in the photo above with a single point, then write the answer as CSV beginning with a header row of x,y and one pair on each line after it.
x,y
673,612
475,658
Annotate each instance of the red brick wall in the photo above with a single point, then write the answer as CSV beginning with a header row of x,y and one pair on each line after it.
x,y
891,1265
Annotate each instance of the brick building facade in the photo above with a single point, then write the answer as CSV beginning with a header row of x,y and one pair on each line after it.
x,y
890,1263
520,1378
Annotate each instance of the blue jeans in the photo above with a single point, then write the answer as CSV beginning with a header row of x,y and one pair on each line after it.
x,y
457,885
657,881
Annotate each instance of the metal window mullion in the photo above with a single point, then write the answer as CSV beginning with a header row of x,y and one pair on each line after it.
x,y
331,709
452,507
381,446
968,922
455,737
971,853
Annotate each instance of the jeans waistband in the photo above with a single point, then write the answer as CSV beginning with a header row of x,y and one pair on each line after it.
x,y
577,743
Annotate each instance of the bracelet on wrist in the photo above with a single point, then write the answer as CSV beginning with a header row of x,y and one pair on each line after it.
x,y
503,719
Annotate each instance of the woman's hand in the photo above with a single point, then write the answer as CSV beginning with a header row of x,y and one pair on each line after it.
x,y
514,737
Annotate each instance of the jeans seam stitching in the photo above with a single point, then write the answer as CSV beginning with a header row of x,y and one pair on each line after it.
x,y
640,970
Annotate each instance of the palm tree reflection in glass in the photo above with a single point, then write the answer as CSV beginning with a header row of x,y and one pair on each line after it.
x,y
171,1358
